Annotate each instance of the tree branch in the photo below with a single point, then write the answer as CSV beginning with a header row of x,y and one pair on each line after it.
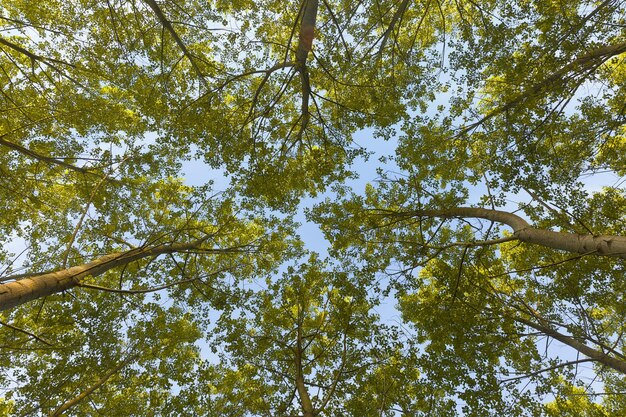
x,y
35,57
307,31
101,381
305,44
550,368
338,374
584,64
26,332
25,151
397,17
152,289
50,62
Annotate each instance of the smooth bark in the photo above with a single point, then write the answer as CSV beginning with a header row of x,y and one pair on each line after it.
x,y
307,31
307,403
21,291
601,245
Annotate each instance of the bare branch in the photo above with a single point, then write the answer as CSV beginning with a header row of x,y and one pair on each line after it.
x,y
80,222
50,62
168,26
100,382
148,290
35,57
550,368
338,374
26,332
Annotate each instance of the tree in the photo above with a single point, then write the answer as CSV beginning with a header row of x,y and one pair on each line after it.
x,y
136,293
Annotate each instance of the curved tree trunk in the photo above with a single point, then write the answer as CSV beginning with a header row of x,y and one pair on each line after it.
x,y
602,245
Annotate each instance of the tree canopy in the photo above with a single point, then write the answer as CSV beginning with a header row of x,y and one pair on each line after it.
x,y
158,159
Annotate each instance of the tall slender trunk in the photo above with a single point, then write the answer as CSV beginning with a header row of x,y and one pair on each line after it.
x,y
23,290
307,30
305,44
305,399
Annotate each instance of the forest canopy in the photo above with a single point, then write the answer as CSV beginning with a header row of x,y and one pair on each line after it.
x,y
190,224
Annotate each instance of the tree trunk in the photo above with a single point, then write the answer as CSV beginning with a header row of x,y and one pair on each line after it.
x,y
602,245
24,290
305,399
307,31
